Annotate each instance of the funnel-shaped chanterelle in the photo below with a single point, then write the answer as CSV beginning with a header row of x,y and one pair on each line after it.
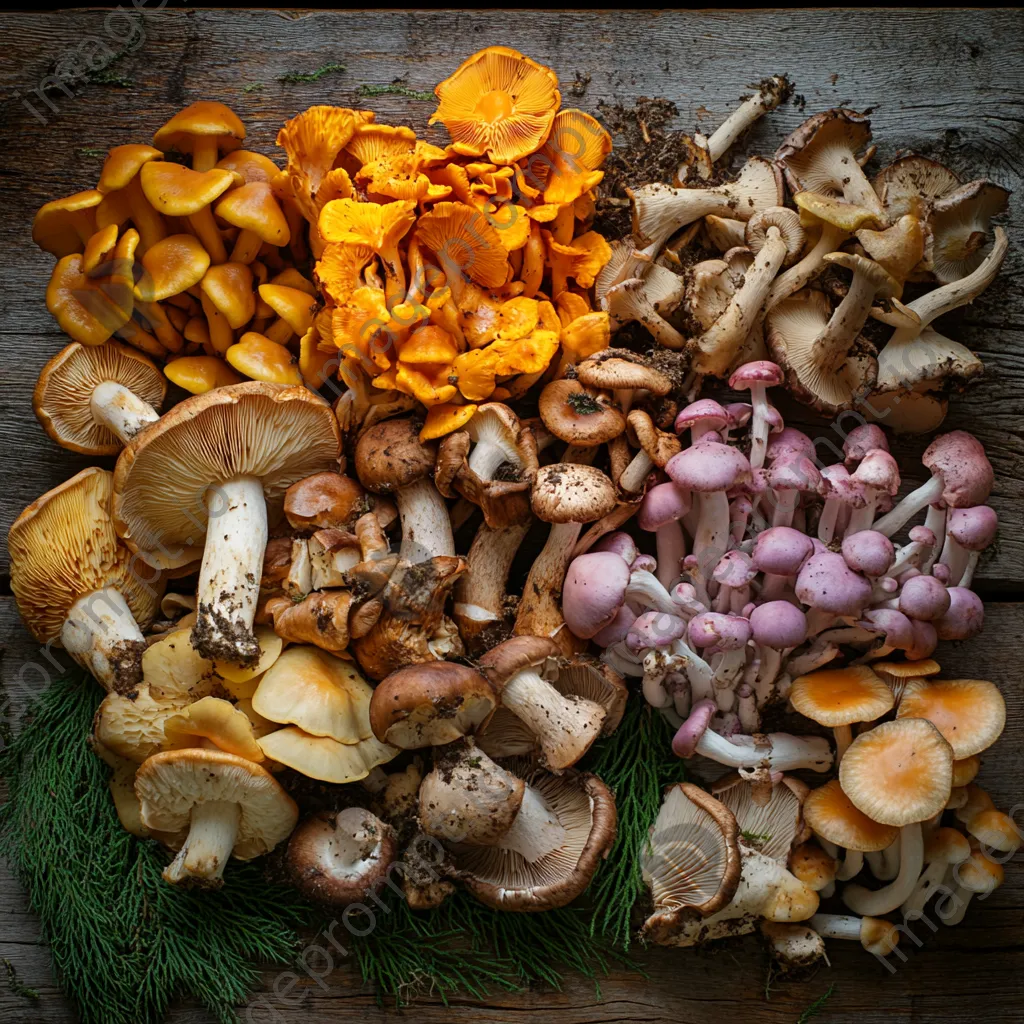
x,y
218,465
76,583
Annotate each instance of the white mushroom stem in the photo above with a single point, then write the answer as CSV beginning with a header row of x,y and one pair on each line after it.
x,y
645,588
211,838
565,726
926,494
934,520
885,864
852,929
882,901
629,301
750,110
229,578
759,425
101,634
767,673
961,897
793,279
622,660
486,457
480,592
927,886
721,341
696,670
536,832
634,475
848,317
426,526
779,751
968,575
121,411
818,654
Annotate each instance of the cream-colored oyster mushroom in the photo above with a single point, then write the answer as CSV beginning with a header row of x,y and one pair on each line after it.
x,y
822,369
724,233
178,497
629,302
95,398
821,156
212,724
659,211
913,184
770,822
776,238
958,229
132,727
551,859
228,805
76,583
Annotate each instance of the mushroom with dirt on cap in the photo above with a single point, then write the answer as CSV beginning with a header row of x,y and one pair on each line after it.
x,y
76,583
625,374
222,804
273,435
338,858
94,399
565,724
656,448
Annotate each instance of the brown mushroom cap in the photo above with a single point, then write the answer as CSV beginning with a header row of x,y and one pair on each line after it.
x,y
506,880
64,391
338,857
430,705
658,445
572,493
325,501
620,369
276,433
692,864
578,416
505,660
390,456
63,547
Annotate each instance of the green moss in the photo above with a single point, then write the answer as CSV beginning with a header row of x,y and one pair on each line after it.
x,y
291,77
395,89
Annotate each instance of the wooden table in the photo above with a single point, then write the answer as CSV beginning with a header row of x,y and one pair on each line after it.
x,y
949,84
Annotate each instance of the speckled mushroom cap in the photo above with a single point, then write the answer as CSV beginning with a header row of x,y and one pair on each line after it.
x,y
171,783
568,492
579,416
502,662
63,546
692,864
615,369
960,460
786,221
390,456
912,183
62,398
970,713
277,433
505,880
431,704
337,857
590,678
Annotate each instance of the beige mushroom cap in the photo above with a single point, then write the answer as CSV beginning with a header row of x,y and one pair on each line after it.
x,y
174,670
172,783
274,432
970,713
63,547
615,369
216,722
62,398
833,816
320,757
572,493
132,726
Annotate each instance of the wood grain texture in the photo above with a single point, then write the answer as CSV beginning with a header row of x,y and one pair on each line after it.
x,y
949,84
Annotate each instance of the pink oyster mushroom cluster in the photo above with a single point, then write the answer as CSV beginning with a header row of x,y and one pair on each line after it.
x,y
770,566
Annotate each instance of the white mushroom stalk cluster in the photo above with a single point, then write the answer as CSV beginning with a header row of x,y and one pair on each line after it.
x,y
835,272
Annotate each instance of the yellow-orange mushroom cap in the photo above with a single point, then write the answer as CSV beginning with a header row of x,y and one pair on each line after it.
x,y
249,166
123,163
259,358
292,305
229,287
178,191
340,269
970,713
465,244
172,266
63,226
254,209
569,163
372,142
88,309
199,374
203,129
445,419
498,103
833,816
898,773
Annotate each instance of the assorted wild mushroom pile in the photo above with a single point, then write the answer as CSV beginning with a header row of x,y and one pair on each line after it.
x,y
535,526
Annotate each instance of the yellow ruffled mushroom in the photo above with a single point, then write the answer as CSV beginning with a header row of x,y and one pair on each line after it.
x,y
340,269
569,163
466,245
498,103
373,142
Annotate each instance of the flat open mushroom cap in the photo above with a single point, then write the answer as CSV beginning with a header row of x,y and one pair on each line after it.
x,y
832,815
63,546
616,369
505,880
770,827
170,784
970,713
276,433
431,704
692,865
320,757
841,696
64,391
899,772
321,694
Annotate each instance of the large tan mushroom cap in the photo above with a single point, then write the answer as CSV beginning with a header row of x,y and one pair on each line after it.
x,y
898,773
505,880
692,865
174,670
172,784
572,493
832,815
970,713
836,697
276,433
64,392
63,547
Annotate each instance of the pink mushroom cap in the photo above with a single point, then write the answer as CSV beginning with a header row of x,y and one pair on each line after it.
x,y
594,589
778,624
827,583
643,563
691,732
734,569
973,528
719,631
898,629
790,440
617,629
924,597
869,552
653,630
960,461
620,543
926,639
759,371
837,483
794,473
662,504
709,466
705,412
739,414
781,550
922,535
964,617
878,470
861,440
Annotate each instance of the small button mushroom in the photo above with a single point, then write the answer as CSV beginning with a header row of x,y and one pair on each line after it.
x,y
969,531
963,619
756,377
255,211
814,867
221,805
565,725
868,552
878,475
792,946
828,585
924,597
969,713
338,858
